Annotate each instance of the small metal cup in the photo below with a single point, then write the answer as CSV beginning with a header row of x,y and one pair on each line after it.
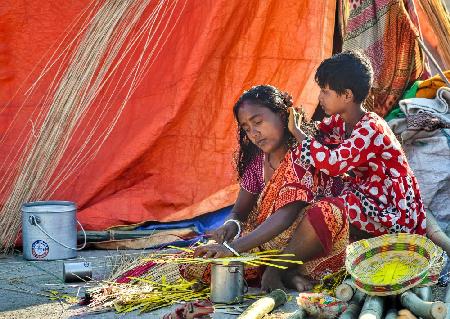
x,y
227,283
77,272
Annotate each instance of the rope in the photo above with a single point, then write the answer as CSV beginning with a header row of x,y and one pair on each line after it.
x,y
86,82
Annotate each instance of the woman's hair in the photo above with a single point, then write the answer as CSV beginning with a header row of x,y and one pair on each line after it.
x,y
347,70
266,96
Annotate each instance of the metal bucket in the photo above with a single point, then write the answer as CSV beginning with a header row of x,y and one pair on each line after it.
x,y
49,230
227,283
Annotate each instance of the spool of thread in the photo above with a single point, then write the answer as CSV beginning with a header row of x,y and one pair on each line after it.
x,y
77,272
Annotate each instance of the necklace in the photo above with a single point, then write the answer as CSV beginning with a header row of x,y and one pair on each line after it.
x,y
349,129
270,164
348,132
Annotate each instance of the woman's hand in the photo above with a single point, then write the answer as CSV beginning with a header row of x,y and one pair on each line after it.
x,y
212,251
226,233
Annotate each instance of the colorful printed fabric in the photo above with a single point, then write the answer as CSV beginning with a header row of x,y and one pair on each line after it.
x,y
386,31
329,220
293,181
383,196
253,178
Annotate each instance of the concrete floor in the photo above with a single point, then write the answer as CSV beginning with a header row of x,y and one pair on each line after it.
x,y
24,287
25,284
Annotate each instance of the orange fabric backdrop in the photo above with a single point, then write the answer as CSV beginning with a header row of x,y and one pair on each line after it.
x,y
170,155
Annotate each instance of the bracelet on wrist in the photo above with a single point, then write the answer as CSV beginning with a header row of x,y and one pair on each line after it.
x,y
238,226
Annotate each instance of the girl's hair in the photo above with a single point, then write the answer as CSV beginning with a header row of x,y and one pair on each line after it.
x,y
347,70
266,96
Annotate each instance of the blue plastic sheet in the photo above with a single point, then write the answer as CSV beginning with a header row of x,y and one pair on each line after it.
x,y
202,224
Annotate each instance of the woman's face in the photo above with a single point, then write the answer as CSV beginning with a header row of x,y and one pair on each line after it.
x,y
263,127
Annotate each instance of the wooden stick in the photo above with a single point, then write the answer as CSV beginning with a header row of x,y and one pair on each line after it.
x,y
299,314
424,293
95,236
354,306
433,60
346,290
263,306
424,309
373,308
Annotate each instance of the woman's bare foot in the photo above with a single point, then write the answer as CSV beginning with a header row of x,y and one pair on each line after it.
x,y
293,280
299,283
271,280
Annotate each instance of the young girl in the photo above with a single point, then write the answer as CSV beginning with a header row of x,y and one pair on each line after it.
x,y
281,205
381,193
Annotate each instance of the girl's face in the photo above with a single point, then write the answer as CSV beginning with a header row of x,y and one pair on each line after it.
x,y
331,102
264,128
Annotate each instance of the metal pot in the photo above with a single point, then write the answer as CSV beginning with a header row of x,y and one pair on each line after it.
x,y
227,283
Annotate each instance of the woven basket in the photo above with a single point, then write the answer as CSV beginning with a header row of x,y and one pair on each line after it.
x,y
392,264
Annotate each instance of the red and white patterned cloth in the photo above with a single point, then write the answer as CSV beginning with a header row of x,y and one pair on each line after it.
x,y
383,195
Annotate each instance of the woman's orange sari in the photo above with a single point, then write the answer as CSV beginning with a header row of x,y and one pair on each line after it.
x,y
292,182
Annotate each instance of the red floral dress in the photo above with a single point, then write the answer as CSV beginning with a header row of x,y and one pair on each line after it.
x,y
381,193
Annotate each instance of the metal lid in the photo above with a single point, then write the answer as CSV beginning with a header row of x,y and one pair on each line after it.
x,y
51,206
233,263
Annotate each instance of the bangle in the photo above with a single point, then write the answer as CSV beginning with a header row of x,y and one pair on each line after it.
x,y
238,225
231,249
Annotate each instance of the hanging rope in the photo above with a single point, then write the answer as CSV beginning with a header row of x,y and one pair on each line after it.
x,y
87,82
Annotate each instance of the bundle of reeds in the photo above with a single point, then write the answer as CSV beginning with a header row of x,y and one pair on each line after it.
x,y
145,295
153,281
271,258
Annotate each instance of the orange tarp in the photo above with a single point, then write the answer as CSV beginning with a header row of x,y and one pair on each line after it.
x,y
170,155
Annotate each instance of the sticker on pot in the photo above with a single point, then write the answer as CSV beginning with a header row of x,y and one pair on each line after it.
x,y
39,249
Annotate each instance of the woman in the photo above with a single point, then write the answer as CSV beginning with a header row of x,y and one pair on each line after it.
x,y
283,204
